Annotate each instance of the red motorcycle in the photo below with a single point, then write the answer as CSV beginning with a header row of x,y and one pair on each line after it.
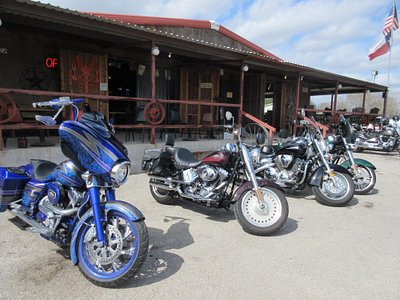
x,y
224,178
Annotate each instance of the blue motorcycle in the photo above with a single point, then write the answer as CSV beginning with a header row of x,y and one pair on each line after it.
x,y
73,203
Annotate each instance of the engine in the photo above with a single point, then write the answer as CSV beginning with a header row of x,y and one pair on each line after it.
x,y
56,204
285,170
202,181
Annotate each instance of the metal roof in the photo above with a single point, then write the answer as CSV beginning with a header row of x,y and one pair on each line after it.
x,y
147,28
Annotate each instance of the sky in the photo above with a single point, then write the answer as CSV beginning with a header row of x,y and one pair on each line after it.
x,y
330,35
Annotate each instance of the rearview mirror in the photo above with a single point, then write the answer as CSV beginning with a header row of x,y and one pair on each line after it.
x,y
46,120
228,115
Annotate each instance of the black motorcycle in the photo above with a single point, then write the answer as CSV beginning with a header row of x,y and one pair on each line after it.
x,y
224,178
340,153
301,161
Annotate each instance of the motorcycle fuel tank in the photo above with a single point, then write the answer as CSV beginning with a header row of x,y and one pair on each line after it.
x,y
218,158
297,147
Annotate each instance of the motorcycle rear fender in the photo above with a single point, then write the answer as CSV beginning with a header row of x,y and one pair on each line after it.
x,y
316,177
359,162
124,207
248,185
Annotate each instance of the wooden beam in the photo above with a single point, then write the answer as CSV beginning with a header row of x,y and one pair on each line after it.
x,y
296,103
241,87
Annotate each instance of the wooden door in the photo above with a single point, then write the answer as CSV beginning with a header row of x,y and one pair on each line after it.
x,y
198,83
85,73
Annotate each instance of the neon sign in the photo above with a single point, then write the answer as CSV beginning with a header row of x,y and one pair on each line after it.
x,y
51,62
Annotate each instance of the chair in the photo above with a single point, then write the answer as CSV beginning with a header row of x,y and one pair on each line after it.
x,y
207,122
174,118
371,119
356,119
140,120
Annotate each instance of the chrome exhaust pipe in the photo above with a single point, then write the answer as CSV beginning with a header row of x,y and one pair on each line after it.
x,y
46,205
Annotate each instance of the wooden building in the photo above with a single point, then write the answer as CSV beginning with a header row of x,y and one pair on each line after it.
x,y
149,72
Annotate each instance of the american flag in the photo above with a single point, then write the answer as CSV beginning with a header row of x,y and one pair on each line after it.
x,y
392,22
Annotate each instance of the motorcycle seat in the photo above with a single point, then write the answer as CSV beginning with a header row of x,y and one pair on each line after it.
x,y
183,159
42,168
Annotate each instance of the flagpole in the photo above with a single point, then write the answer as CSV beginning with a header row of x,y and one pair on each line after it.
x,y
391,45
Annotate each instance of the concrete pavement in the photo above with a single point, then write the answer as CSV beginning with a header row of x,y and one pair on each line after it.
x,y
196,252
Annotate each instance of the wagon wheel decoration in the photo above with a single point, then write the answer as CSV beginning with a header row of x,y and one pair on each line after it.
x,y
8,109
154,113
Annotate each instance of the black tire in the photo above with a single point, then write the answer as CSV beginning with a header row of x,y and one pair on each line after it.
x,y
256,221
162,196
137,241
364,185
326,194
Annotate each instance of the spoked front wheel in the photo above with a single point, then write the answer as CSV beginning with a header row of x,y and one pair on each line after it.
x,y
122,256
364,180
262,221
335,191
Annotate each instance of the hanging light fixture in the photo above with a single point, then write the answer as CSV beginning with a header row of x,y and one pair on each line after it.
x,y
155,51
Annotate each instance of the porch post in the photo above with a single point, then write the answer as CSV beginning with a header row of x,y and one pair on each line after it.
x,y
296,103
385,102
153,86
364,96
241,87
335,103
363,104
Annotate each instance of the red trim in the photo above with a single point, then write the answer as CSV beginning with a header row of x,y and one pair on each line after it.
x,y
158,21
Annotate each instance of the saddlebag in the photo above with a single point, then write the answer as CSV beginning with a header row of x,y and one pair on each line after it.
x,y
12,183
149,157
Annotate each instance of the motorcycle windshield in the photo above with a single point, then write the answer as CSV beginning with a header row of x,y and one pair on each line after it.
x,y
90,142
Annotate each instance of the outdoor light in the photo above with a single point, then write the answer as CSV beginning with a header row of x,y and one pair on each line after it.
x,y
170,55
301,78
155,51
245,67
374,73
285,76
339,86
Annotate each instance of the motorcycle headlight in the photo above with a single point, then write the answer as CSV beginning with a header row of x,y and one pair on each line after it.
x,y
255,155
231,147
120,172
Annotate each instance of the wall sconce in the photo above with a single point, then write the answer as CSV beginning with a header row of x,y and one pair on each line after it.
x,y
301,78
339,86
170,55
285,76
155,51
245,67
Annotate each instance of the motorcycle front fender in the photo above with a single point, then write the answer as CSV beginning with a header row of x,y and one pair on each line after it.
x,y
128,209
358,162
248,185
316,177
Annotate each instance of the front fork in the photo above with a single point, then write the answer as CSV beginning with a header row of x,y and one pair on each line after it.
x,y
95,199
350,156
251,174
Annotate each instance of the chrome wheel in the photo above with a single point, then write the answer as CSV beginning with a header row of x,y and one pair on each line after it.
x,y
120,257
119,246
336,187
364,179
